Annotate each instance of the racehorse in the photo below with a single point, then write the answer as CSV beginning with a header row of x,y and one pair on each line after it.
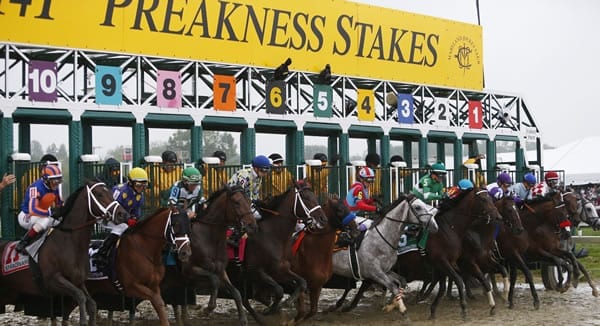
x,y
268,251
63,258
580,210
313,259
545,219
378,250
225,208
138,263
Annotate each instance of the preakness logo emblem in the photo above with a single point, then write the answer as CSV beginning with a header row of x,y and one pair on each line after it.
x,y
464,52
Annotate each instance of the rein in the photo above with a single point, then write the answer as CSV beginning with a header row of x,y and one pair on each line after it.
x,y
108,211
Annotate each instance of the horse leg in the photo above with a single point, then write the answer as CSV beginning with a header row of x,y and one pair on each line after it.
x,y
300,307
460,285
277,289
249,308
235,294
92,309
340,301
363,287
449,289
141,291
559,263
528,277
301,286
438,296
214,284
587,277
62,285
567,254
486,285
314,294
109,318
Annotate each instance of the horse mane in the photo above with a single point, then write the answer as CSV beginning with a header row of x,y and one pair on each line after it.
x,y
401,197
276,200
447,204
542,199
145,220
70,202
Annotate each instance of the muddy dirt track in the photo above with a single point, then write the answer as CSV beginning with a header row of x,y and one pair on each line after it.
x,y
575,307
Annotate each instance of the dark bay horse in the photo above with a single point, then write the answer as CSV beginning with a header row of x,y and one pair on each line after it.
x,y
313,259
225,208
379,248
63,258
268,251
138,262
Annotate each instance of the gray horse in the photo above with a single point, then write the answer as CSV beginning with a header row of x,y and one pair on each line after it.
x,y
378,251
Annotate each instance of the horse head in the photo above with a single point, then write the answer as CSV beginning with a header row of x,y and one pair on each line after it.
x,y
506,207
340,217
306,205
176,232
240,207
483,206
101,204
421,213
581,209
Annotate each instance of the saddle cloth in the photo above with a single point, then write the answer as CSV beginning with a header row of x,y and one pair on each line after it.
x,y
237,254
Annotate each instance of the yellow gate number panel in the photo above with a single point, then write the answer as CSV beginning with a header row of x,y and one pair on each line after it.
x,y
365,105
276,97
224,93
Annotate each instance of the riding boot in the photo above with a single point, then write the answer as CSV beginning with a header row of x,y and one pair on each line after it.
x,y
234,238
101,256
26,241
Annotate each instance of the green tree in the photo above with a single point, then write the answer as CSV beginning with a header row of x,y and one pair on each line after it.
x,y
36,151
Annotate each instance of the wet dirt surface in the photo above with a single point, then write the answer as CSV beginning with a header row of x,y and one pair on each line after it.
x,y
575,307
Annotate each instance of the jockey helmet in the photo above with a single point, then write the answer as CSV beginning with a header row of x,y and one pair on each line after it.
x,y
48,158
438,168
465,184
169,157
373,159
320,156
51,171
366,173
191,175
396,158
530,178
551,175
276,158
221,155
138,174
262,162
504,178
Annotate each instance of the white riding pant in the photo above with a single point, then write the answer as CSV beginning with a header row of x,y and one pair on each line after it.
x,y
38,223
363,223
116,229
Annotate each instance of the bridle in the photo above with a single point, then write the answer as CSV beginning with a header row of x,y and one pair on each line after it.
x,y
169,235
404,222
108,212
298,200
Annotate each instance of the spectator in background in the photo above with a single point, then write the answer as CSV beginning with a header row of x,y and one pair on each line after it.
x,y
162,177
7,180
479,177
112,172
373,160
281,178
217,176
397,175
318,175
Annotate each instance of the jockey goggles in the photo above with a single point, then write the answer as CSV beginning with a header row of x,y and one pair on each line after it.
x,y
369,180
264,169
138,184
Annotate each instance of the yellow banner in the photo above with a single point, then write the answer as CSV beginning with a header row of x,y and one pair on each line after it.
x,y
355,39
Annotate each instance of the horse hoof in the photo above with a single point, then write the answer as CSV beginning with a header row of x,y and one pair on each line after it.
x,y
595,292
536,305
432,317
512,306
493,311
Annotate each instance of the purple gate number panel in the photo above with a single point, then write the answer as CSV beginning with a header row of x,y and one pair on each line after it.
x,y
168,89
42,81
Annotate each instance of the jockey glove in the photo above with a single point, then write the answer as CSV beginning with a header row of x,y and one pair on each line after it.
x,y
131,222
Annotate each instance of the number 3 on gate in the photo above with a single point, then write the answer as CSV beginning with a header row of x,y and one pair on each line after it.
x,y
365,105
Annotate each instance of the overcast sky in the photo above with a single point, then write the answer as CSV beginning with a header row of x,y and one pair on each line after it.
x,y
545,51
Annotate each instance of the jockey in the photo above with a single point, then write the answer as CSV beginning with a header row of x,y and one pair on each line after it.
x,y
549,185
36,210
500,188
463,185
130,195
187,192
522,190
357,198
430,186
250,179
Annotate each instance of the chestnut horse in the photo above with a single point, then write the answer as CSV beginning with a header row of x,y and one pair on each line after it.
x,y
63,258
313,260
138,262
